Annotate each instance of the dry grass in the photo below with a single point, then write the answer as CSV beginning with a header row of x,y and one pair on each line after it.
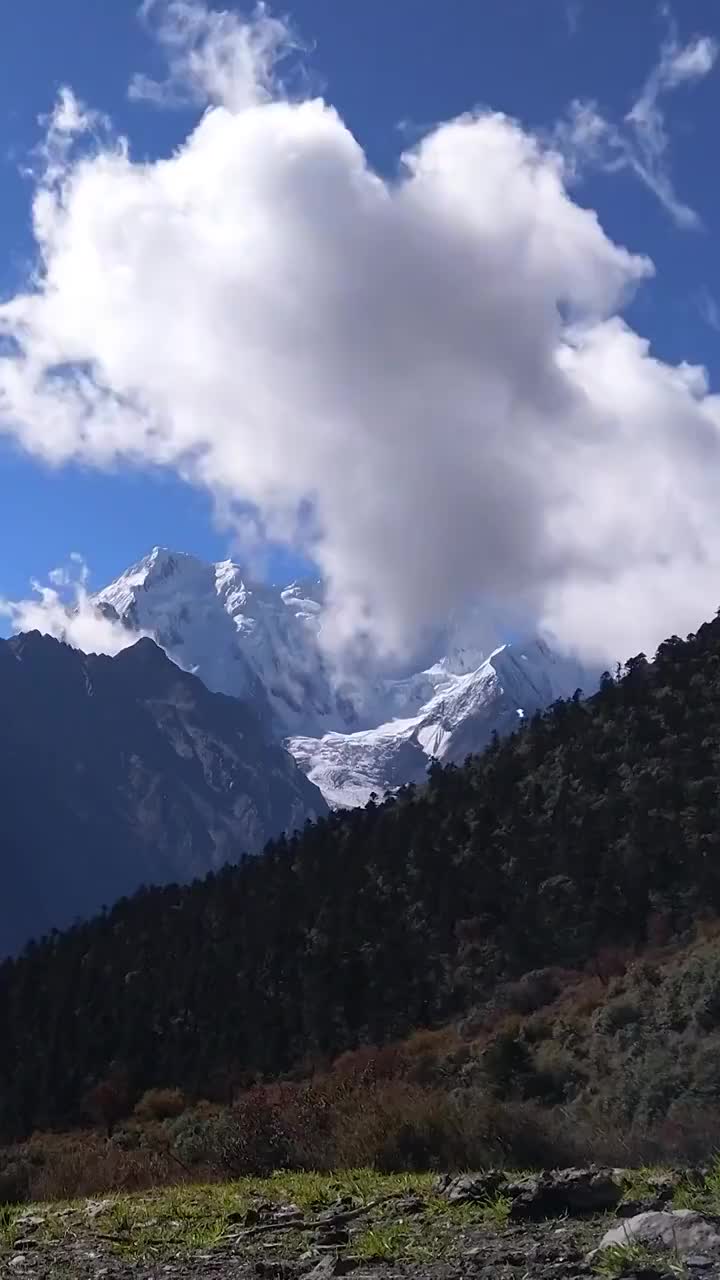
x,y
84,1163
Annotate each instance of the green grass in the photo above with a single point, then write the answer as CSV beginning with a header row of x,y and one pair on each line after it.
x,y
496,1210
432,1235
387,1243
641,1184
622,1259
691,1196
702,1194
692,1193
174,1223
8,1226
177,1221
638,1184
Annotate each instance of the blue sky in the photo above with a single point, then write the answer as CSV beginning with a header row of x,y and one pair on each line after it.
x,y
392,70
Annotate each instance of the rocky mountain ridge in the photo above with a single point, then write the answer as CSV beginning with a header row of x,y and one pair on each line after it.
x,y
124,771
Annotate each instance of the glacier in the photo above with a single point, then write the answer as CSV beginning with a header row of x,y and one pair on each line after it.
x,y
263,643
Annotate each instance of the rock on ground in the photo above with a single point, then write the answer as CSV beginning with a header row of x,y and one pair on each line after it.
x,y
685,1231
541,1195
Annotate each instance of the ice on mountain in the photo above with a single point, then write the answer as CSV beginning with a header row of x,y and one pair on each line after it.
x,y
262,643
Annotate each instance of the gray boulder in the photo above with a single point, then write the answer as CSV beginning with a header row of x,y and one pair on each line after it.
x,y
684,1231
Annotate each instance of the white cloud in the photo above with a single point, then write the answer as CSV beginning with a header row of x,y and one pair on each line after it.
x,y
681,64
640,144
424,383
69,121
213,57
65,610
69,116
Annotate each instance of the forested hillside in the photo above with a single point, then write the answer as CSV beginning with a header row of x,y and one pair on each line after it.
x,y
596,824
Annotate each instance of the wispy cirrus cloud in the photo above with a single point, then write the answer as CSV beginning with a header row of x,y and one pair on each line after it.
x,y
212,56
709,308
573,15
640,143
69,121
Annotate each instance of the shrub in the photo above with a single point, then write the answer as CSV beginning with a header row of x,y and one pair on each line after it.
x,y
251,1137
620,1013
398,1126
68,1166
506,1063
15,1181
194,1137
108,1101
370,1063
555,1074
161,1104
531,992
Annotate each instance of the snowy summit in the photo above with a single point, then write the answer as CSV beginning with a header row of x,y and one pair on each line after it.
x,y
261,643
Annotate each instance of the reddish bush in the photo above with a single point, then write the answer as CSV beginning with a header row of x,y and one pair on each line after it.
x,y
108,1101
161,1104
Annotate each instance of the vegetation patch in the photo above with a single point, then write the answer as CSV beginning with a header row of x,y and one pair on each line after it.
x,y
586,843
620,1260
372,1215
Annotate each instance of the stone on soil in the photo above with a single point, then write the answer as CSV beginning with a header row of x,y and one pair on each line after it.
x,y
685,1231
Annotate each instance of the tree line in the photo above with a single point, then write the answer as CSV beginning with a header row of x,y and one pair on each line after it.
x,y
595,821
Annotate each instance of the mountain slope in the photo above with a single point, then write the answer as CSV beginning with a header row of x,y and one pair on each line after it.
x,y
122,771
598,824
263,643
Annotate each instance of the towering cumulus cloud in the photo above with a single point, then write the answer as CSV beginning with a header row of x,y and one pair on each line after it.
x,y
424,382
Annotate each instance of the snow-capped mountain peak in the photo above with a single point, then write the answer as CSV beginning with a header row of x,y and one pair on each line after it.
x,y
262,643
249,639
457,719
